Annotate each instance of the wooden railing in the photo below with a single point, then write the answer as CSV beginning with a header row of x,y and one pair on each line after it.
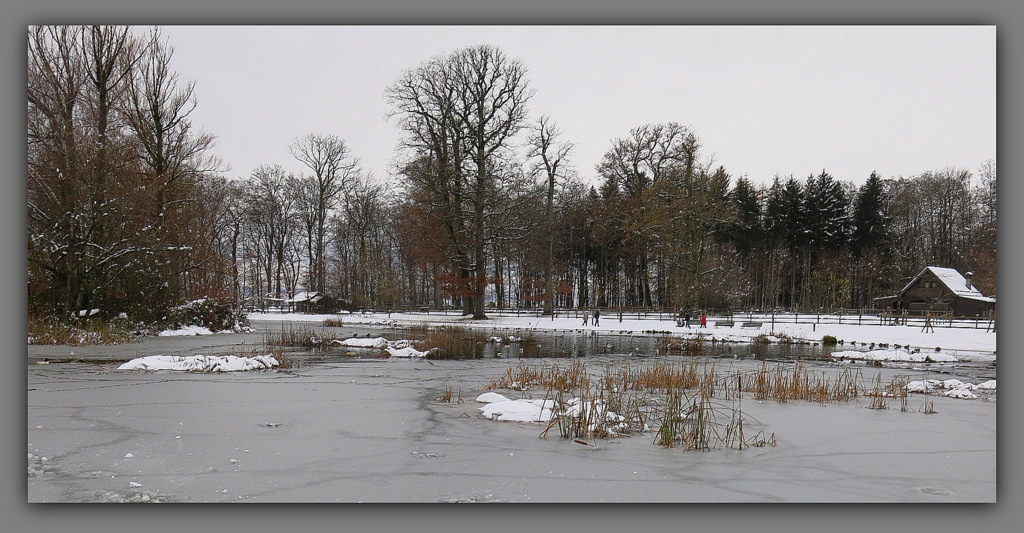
x,y
738,317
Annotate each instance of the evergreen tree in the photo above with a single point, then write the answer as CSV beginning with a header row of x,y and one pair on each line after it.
x,y
790,209
826,210
869,224
746,232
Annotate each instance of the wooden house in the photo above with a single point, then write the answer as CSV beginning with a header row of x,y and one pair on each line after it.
x,y
305,301
940,289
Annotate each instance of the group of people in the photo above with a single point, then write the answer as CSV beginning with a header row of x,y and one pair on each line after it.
x,y
684,319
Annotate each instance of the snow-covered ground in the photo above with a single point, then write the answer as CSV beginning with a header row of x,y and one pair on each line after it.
x,y
866,337
185,330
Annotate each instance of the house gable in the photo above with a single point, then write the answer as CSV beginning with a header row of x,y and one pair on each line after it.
x,y
943,289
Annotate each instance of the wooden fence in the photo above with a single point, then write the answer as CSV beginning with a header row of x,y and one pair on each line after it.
x,y
724,317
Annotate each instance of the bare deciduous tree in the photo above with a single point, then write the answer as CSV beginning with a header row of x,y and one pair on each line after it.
x,y
334,169
459,112
552,158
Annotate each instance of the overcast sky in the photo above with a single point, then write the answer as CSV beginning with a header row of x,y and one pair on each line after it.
x,y
763,100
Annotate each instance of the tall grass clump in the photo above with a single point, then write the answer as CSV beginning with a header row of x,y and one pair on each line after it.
x,y
82,332
895,389
276,352
524,377
659,377
298,337
798,383
691,405
682,346
692,422
453,343
587,411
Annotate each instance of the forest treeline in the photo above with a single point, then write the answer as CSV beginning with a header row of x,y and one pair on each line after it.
x,y
129,211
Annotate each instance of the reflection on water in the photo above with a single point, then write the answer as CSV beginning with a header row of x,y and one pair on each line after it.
x,y
520,344
516,344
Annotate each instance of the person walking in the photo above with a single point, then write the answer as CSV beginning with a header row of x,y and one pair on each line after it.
x,y
686,320
597,317
928,323
703,320
586,316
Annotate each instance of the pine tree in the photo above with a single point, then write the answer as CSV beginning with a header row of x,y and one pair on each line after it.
x,y
869,224
747,232
827,218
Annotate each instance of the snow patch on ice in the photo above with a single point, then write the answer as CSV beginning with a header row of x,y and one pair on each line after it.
x,y
399,348
489,397
895,355
408,351
201,363
953,388
377,342
522,410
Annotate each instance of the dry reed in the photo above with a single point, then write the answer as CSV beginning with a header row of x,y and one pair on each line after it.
x,y
298,337
449,342
676,402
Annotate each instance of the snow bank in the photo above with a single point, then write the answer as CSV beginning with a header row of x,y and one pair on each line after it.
x,y
895,355
187,330
523,410
954,388
399,348
535,410
489,397
377,342
408,351
201,363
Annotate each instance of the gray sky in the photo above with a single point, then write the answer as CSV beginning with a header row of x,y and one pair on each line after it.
x,y
764,100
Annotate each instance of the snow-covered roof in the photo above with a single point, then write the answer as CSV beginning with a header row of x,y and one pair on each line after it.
x,y
954,281
306,296
989,299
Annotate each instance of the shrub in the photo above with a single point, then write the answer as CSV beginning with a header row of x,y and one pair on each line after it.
x,y
211,313
93,331
829,340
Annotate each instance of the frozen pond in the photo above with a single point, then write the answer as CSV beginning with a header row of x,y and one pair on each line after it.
x,y
336,428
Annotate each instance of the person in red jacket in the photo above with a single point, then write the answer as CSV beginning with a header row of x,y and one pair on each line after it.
x,y
703,320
